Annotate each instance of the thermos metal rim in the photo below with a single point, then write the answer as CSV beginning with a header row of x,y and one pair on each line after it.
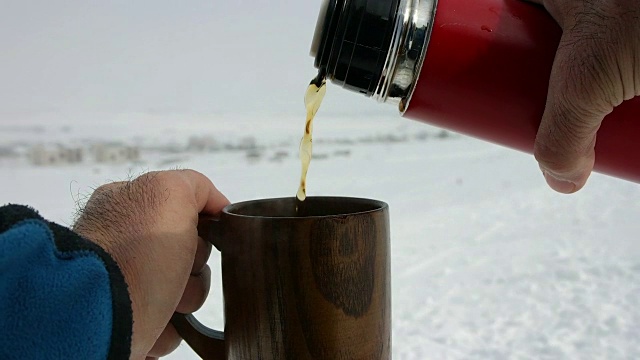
x,y
406,56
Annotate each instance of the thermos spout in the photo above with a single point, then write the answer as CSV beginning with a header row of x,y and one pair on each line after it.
x,y
374,47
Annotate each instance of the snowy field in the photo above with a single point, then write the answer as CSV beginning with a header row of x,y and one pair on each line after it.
x,y
487,262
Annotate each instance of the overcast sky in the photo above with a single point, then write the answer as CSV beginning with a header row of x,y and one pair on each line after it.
x,y
196,56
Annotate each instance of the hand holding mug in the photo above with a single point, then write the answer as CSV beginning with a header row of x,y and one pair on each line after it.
x,y
149,226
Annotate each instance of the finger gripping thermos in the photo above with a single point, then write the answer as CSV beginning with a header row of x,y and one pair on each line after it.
x,y
477,67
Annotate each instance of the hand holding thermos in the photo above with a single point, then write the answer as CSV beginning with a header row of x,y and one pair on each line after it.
x,y
597,67
502,71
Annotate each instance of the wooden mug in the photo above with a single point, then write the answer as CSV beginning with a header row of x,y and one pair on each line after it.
x,y
299,283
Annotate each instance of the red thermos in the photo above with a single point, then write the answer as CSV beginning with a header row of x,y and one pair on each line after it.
x,y
478,67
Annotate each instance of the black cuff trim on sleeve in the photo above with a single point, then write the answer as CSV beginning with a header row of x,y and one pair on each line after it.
x,y
68,241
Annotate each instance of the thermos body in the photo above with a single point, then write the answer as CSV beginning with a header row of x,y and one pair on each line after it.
x,y
478,67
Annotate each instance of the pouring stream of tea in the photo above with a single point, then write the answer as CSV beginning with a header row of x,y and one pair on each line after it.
x,y
312,100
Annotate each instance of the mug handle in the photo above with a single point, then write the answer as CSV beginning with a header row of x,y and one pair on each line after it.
x,y
207,343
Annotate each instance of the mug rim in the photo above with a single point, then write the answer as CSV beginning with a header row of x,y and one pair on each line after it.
x,y
377,205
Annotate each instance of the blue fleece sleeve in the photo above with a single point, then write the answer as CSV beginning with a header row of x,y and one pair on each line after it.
x,y
61,296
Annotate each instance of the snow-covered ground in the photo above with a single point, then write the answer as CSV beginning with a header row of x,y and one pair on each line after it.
x,y
487,262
